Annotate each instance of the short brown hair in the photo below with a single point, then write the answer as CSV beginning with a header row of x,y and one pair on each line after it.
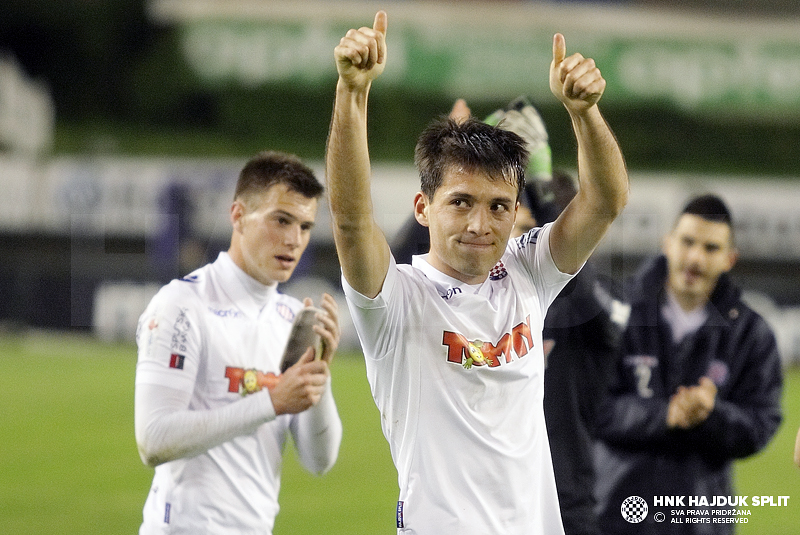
x,y
268,168
472,144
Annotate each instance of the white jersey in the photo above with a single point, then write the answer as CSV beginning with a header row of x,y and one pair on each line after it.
x,y
457,373
204,334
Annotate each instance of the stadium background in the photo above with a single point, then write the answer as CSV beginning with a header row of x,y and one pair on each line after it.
x,y
123,124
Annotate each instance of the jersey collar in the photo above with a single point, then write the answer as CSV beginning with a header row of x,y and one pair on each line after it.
x,y
245,292
445,284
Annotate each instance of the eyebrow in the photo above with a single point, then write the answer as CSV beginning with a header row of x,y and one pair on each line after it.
x,y
470,197
292,217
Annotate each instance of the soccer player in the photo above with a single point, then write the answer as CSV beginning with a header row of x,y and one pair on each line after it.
x,y
213,413
453,343
698,383
582,328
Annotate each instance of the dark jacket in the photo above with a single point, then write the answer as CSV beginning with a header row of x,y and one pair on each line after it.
x,y
638,455
581,333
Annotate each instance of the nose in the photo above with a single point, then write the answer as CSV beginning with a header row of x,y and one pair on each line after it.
x,y
293,235
695,255
478,221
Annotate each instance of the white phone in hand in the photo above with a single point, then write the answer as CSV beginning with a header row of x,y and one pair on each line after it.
x,y
302,337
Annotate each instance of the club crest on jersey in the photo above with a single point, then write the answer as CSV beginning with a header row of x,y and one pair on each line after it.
x,y
479,353
284,311
498,272
718,372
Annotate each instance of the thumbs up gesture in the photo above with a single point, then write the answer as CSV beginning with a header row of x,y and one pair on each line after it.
x,y
575,81
361,54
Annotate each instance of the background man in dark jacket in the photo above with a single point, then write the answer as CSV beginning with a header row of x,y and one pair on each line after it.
x,y
697,384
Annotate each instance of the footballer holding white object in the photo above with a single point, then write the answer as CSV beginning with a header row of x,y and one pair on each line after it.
x,y
213,410
453,342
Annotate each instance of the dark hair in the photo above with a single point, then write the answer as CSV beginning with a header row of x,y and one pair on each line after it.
x,y
271,167
472,144
709,207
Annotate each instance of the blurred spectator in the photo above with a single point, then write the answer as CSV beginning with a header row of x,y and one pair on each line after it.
x,y
697,385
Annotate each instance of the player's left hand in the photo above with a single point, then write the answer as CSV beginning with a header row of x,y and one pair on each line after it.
x,y
575,81
328,326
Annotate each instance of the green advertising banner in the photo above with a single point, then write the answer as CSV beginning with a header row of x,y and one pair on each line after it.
x,y
746,68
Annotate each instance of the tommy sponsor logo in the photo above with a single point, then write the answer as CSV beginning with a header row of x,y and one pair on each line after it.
x,y
248,381
468,353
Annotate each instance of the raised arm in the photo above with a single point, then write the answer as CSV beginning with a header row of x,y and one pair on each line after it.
x,y
361,246
578,84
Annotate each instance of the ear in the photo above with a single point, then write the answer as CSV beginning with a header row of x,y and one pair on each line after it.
x,y
733,256
237,212
516,213
421,204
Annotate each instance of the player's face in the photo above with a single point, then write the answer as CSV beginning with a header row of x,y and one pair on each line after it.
x,y
470,220
698,251
274,228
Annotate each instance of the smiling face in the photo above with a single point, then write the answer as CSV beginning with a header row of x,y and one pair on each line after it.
x,y
270,232
698,251
470,219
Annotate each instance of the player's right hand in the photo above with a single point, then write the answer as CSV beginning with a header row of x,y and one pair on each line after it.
x,y
361,54
301,386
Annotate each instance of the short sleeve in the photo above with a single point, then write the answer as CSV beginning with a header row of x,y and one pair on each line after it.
x,y
371,316
532,251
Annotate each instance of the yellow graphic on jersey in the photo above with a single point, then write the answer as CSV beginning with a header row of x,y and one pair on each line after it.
x,y
475,354
250,382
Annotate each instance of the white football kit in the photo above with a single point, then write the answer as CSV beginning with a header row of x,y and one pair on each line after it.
x,y
457,373
207,344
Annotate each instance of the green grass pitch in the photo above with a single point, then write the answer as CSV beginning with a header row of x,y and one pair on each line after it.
x,y
69,460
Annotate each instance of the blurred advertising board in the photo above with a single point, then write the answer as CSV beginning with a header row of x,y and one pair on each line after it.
x,y
735,67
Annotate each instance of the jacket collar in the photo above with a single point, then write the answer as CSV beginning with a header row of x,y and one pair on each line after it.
x,y
648,283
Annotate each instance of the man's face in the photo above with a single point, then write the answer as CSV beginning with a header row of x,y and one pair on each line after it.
x,y
470,220
274,228
698,251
